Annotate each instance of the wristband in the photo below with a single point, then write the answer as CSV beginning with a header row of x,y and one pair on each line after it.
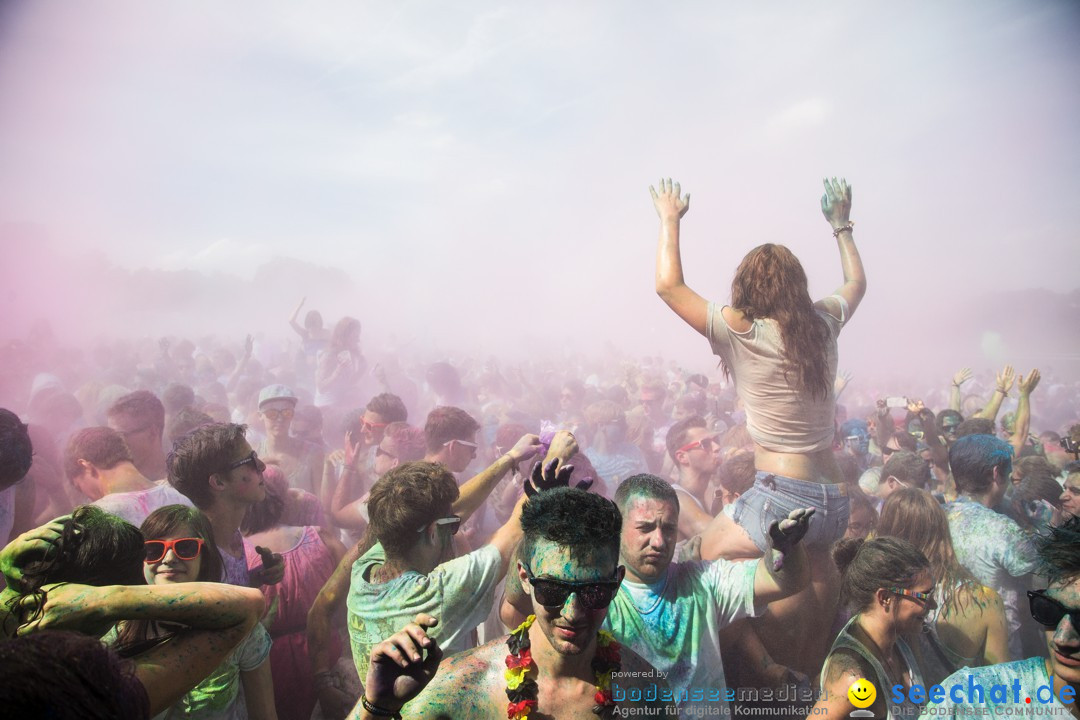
x,y
849,227
378,711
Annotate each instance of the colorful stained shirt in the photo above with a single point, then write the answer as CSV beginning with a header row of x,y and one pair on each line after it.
x,y
675,623
997,552
460,592
1032,675
136,506
221,695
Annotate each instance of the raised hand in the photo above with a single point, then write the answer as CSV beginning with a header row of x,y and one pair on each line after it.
x,y
1028,384
399,670
551,475
785,534
961,376
32,545
836,202
669,203
915,407
1005,379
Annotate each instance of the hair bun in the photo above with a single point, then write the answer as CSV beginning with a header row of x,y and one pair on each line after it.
x,y
844,552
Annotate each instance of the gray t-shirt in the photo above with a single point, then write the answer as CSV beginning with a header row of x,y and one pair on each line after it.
x,y
137,505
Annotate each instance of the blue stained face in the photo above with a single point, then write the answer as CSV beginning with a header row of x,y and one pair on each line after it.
x,y
858,442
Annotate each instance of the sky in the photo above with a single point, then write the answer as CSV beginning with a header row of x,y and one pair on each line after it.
x,y
478,172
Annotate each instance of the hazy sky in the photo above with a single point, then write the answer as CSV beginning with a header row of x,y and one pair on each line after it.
x,y
485,165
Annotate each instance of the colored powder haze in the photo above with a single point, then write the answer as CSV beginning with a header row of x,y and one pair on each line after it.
x,y
474,175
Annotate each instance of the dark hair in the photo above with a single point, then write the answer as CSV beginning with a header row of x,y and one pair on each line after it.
x,y
176,397
905,440
339,336
184,422
948,415
67,676
867,565
447,423
691,403
1035,466
770,283
737,474
353,421
407,498
677,434
583,522
389,406
95,548
205,451
16,450
647,486
103,447
975,426
1059,551
142,406
973,458
908,468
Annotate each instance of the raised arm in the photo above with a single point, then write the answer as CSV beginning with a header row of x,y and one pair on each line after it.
x,y
297,327
670,286
836,206
959,378
785,568
1023,411
328,603
1005,380
476,489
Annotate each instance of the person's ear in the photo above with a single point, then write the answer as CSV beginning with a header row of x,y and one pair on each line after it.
x,y
524,578
883,597
87,468
396,462
621,572
217,482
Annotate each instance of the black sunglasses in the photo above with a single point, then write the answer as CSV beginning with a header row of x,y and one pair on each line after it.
x,y
253,458
1048,612
595,595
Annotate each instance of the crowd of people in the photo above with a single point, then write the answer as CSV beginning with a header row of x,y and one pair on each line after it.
x,y
283,529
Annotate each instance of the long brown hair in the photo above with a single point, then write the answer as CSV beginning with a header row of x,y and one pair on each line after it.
x,y
914,515
771,283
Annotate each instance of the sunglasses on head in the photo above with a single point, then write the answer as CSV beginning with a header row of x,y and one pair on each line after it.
x,y
453,522
706,443
464,443
285,414
253,458
595,595
183,548
1048,612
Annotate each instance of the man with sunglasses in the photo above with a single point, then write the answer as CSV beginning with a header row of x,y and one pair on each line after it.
x,y
568,565
672,612
1050,682
695,450
215,467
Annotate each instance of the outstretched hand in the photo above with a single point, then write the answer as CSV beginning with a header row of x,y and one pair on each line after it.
x,y
552,475
669,203
398,669
785,534
272,569
1005,379
1029,383
836,202
961,376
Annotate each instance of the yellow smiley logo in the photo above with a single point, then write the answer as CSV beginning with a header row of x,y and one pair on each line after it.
x,y
862,693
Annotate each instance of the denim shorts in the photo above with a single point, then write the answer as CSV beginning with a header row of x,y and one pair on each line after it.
x,y
773,497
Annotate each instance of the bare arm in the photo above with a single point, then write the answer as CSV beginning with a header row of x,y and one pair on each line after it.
x,y
670,286
1005,380
476,490
1023,411
996,649
259,692
328,603
836,206
959,378
249,345
297,327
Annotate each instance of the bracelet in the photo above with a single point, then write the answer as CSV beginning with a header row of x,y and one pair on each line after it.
x,y
378,711
324,678
513,464
1004,393
849,227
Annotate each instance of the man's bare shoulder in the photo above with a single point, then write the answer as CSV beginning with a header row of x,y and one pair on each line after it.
x,y
464,687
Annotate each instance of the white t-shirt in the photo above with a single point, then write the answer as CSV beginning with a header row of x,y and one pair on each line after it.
x,y
459,592
675,623
135,506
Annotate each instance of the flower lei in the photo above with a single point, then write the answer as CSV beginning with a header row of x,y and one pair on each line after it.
x,y
521,689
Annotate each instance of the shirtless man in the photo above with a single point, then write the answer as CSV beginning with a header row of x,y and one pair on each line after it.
x,y
569,565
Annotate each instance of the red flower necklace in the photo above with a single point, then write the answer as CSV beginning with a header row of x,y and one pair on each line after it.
x,y
521,688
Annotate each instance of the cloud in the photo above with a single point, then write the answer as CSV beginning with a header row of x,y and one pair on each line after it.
x,y
802,116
